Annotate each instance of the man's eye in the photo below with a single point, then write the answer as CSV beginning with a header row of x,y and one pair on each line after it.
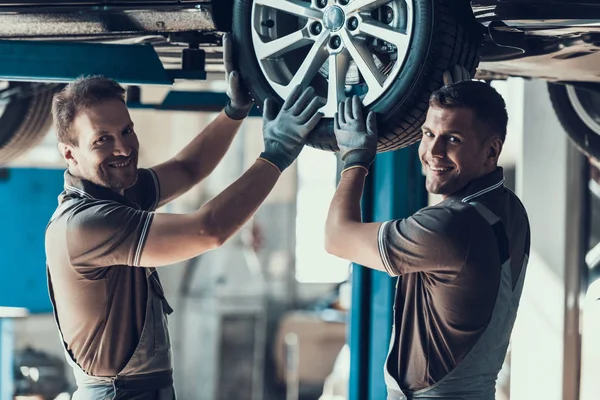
x,y
128,131
453,139
428,134
102,139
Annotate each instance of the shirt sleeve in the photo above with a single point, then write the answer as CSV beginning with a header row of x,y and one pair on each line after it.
x,y
146,191
106,234
435,239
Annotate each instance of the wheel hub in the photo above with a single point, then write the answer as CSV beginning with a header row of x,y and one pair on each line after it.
x,y
331,45
334,18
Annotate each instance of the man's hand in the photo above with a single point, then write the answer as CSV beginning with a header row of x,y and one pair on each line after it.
x,y
458,74
240,102
357,141
285,132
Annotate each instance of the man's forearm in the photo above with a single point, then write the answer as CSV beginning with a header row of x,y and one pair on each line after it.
x,y
233,207
345,207
202,155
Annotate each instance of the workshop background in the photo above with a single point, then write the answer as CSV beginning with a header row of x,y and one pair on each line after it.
x,y
266,315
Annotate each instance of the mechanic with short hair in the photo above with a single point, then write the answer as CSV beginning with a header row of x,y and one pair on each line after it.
x,y
460,263
105,238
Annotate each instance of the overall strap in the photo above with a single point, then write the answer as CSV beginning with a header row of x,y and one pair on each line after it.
x,y
498,228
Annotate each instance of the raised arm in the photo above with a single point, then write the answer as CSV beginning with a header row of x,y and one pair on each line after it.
x,y
174,238
112,234
202,155
346,236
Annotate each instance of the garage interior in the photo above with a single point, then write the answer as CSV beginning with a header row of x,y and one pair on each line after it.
x,y
271,315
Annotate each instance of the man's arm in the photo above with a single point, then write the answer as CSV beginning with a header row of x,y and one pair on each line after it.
x,y
173,238
413,244
346,236
199,158
108,233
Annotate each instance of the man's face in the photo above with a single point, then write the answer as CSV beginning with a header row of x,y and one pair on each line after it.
x,y
454,150
107,150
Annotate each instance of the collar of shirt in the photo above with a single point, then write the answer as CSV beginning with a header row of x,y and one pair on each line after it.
x,y
480,186
80,188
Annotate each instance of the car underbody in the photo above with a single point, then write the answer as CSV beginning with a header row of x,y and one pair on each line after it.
x,y
377,49
552,40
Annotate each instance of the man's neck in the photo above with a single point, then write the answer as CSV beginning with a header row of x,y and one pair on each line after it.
x,y
76,174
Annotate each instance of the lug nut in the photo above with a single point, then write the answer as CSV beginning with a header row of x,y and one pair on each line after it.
x,y
335,42
353,23
316,28
268,23
321,3
343,2
388,15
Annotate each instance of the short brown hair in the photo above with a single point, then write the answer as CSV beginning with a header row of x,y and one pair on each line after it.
x,y
83,92
485,102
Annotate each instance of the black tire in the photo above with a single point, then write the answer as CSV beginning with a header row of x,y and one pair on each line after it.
x,y
24,122
584,138
445,33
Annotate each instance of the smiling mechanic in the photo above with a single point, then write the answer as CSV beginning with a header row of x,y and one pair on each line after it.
x,y
112,314
460,264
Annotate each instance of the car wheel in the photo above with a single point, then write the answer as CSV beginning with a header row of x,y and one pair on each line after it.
x,y
25,117
578,110
392,53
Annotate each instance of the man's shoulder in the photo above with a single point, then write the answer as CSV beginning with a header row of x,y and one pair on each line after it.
x,y
448,213
77,212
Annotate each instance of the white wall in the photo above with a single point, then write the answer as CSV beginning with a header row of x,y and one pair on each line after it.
x,y
544,181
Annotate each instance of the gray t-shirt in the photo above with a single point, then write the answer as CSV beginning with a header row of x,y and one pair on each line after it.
x,y
92,250
448,261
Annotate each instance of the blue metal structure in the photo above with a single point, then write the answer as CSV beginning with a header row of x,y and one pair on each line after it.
x,y
187,100
25,211
395,189
44,61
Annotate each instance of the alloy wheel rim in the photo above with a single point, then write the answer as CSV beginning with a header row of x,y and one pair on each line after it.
x,y
341,47
586,105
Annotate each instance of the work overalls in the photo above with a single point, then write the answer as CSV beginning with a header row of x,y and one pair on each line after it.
x,y
474,378
150,366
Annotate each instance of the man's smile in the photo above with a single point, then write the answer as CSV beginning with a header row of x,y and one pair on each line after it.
x,y
121,164
439,169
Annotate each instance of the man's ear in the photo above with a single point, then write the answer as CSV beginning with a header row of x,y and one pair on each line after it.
x,y
494,149
67,152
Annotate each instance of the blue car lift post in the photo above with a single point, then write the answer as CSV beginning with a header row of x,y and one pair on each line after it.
x,y
395,189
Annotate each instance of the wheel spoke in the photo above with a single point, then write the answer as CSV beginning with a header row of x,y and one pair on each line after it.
x,y
364,60
385,32
363,5
276,48
338,68
311,64
294,7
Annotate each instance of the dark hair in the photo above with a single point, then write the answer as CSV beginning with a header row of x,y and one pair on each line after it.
x,y
82,93
485,102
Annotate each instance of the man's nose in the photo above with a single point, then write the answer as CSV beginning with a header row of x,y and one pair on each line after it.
x,y
122,148
438,148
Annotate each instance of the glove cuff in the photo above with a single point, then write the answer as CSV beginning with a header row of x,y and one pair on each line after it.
x,y
358,158
236,113
355,166
270,163
275,161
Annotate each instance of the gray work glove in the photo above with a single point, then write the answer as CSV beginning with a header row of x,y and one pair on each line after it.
x,y
458,74
285,132
240,102
356,139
